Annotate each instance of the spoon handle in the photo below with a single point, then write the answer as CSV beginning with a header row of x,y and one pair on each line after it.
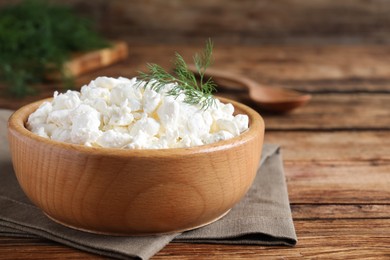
x,y
233,77
274,99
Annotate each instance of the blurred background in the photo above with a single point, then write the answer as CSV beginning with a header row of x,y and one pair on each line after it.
x,y
245,21
315,46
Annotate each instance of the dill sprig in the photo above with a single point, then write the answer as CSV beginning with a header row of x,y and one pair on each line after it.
x,y
196,92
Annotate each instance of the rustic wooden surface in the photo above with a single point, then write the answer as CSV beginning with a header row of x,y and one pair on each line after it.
x,y
336,150
247,21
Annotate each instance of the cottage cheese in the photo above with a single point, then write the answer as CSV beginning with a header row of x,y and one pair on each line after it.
x,y
121,113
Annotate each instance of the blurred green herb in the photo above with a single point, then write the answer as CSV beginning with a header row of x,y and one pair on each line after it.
x,y
37,38
196,92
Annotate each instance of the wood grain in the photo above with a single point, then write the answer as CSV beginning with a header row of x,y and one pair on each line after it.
x,y
331,183
322,146
315,69
336,166
81,63
361,112
13,248
311,65
249,21
314,210
321,239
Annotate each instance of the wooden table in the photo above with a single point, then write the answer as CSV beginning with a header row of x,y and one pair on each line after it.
x,y
336,149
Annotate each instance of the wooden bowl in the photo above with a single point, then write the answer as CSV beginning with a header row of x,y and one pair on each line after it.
x,y
134,192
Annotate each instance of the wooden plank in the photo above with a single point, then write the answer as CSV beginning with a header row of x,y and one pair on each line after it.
x,y
311,68
306,63
343,227
313,147
284,63
336,112
315,247
39,249
322,239
347,85
82,63
340,211
356,183
321,68
251,21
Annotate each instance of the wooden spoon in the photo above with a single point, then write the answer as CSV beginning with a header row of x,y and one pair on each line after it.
x,y
273,99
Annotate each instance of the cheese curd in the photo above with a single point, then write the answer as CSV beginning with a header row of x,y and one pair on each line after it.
x,y
122,113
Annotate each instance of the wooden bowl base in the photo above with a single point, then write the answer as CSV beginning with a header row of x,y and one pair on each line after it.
x,y
135,234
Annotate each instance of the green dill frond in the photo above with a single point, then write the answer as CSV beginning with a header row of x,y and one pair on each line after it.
x,y
37,37
202,61
196,92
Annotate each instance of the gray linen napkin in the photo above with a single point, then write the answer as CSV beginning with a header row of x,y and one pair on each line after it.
x,y
263,217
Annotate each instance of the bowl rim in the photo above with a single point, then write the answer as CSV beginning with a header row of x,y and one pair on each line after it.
x,y
17,121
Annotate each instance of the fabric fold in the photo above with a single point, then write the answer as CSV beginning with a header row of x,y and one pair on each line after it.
x,y
263,216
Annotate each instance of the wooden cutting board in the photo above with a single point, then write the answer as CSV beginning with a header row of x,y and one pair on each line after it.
x,y
82,63
79,64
